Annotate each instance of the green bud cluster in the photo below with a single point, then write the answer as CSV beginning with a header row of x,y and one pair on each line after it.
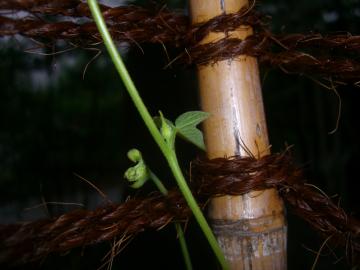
x,y
138,174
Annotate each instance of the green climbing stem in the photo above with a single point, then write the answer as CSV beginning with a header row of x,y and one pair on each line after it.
x,y
183,246
167,151
179,230
158,183
185,190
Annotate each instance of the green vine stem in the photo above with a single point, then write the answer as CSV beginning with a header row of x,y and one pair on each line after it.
x,y
158,183
179,230
137,176
164,147
183,246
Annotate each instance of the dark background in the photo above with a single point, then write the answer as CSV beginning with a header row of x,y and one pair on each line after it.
x,y
54,124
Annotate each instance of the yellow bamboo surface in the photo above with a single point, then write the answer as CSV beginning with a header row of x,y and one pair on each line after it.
x,y
251,229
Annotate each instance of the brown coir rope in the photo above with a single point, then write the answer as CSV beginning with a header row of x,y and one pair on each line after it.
x,y
27,242
333,57
31,241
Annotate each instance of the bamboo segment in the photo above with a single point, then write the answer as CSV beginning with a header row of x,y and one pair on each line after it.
x,y
251,229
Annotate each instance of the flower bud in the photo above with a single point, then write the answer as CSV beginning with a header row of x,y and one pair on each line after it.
x,y
138,174
166,129
134,155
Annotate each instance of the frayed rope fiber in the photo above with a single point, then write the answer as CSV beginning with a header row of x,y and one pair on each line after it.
x,y
32,241
331,57
28,242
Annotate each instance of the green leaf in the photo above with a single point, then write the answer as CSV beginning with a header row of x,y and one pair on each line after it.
x,y
186,127
194,136
192,118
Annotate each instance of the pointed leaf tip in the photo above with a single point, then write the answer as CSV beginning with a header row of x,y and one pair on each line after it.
x,y
192,118
186,127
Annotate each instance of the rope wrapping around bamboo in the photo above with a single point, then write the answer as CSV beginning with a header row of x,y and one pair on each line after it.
x,y
129,23
27,242
239,175
332,56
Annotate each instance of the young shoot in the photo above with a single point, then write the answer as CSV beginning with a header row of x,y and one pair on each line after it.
x,y
138,175
185,127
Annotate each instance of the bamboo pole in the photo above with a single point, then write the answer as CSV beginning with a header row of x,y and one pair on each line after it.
x,y
251,229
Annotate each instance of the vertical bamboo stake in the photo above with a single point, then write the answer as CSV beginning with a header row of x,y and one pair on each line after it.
x,y
251,229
